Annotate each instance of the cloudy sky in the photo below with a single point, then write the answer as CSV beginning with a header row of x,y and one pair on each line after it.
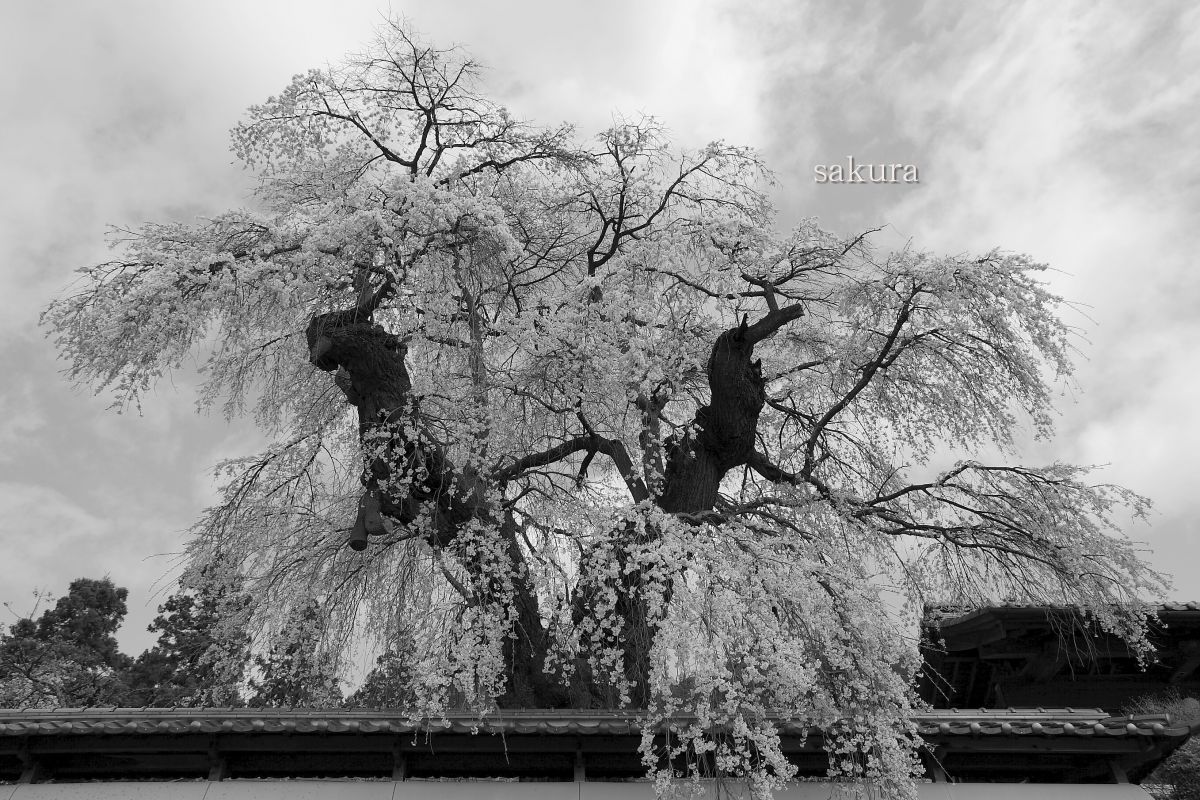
x,y
1068,131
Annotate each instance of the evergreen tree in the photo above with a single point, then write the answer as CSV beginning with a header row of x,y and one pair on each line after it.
x,y
388,685
296,671
69,655
203,647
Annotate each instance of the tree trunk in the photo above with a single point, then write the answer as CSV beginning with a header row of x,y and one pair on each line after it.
x,y
722,435
369,363
720,438
370,370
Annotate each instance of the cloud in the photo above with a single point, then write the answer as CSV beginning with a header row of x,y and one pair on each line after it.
x,y
88,493
676,60
1064,131
50,540
20,418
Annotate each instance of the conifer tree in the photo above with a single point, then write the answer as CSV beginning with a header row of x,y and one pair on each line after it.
x,y
68,656
203,647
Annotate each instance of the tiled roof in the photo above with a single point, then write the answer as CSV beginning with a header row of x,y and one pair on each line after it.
x,y
159,744
1054,722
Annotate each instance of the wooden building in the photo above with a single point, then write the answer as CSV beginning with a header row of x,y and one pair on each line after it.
x,y
1028,705
1047,656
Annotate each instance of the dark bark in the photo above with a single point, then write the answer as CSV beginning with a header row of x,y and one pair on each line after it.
x,y
720,438
369,366
528,684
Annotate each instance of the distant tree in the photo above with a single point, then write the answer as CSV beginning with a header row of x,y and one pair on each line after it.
x,y
153,680
297,670
592,427
390,684
69,655
203,647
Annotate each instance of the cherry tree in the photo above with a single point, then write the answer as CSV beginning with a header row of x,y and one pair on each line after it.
x,y
579,425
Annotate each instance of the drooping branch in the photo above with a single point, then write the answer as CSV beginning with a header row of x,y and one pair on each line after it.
x,y
409,480
887,354
997,514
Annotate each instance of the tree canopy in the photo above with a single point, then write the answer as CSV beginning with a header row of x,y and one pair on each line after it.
x,y
203,648
571,423
68,656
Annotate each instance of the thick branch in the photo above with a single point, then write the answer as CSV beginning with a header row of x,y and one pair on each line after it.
x,y
590,443
766,327
763,466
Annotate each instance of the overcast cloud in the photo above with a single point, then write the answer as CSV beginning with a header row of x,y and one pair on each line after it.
x,y
1066,130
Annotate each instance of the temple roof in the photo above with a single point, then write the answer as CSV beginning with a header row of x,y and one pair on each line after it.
x,y
1065,721
1057,745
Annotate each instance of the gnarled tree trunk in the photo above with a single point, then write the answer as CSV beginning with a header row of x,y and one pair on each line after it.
x,y
414,477
409,475
720,438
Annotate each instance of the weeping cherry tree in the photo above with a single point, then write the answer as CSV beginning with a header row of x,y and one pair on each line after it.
x,y
574,425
